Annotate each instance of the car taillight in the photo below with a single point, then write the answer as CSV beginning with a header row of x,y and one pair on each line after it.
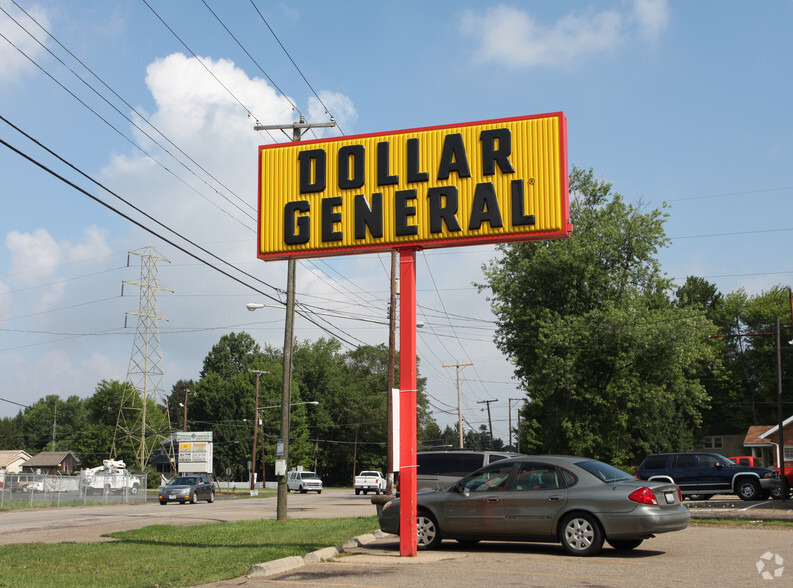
x,y
643,496
680,494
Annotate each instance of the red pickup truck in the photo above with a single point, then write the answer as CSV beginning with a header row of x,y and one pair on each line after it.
x,y
750,460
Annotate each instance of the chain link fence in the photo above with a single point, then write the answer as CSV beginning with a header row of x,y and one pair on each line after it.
x,y
20,490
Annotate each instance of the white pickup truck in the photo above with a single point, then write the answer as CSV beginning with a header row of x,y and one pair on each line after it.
x,y
370,481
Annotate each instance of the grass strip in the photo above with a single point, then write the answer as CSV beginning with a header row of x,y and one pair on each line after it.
x,y
166,556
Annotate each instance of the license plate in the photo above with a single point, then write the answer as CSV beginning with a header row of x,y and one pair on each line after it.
x,y
172,497
670,497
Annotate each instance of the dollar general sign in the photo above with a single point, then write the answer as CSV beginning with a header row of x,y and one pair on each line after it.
x,y
481,182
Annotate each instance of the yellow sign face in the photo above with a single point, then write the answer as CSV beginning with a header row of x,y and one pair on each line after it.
x,y
483,182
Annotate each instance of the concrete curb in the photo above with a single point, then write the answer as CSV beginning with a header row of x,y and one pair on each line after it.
x,y
276,566
286,564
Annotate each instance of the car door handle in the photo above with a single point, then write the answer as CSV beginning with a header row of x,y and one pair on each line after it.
x,y
494,499
555,498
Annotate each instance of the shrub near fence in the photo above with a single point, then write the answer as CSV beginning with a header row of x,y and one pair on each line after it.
x,y
20,490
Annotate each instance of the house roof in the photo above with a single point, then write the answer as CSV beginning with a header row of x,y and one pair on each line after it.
x,y
775,428
753,436
47,459
9,456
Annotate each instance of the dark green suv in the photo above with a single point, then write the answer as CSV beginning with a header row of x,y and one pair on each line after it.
x,y
701,475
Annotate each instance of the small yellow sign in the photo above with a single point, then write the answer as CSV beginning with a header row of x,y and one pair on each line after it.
x,y
482,182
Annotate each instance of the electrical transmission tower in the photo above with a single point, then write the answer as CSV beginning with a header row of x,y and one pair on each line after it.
x,y
139,428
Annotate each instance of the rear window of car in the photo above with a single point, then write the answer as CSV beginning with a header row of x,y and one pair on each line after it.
x,y
448,464
603,471
656,462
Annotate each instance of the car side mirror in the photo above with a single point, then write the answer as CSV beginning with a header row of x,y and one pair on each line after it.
x,y
719,465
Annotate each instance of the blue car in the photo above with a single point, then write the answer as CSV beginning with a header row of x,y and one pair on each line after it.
x,y
701,475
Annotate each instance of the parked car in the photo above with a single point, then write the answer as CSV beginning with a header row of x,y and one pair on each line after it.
x,y
437,468
776,493
303,482
701,475
575,501
190,488
369,480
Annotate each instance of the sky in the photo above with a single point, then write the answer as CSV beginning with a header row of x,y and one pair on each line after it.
x,y
677,102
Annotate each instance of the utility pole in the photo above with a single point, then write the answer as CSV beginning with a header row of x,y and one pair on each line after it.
x,y
489,420
186,392
255,428
459,400
54,421
510,420
298,130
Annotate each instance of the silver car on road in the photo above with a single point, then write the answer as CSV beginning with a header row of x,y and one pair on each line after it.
x,y
575,501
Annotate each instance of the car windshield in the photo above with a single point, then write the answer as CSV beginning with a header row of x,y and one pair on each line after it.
x,y
310,476
603,471
183,481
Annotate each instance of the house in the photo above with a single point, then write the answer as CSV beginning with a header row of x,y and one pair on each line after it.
x,y
763,441
52,463
11,460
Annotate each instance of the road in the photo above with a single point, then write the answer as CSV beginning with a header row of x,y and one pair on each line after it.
x,y
88,523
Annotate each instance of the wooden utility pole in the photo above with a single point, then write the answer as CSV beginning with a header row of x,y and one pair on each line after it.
x,y
298,130
510,421
459,399
255,428
489,420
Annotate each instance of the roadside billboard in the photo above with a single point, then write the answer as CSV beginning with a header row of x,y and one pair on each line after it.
x,y
481,182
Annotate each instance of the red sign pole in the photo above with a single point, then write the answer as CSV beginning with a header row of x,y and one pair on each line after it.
x,y
407,402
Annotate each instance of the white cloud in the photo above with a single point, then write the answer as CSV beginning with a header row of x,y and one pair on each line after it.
x,y
514,37
652,17
339,105
32,256
37,255
15,63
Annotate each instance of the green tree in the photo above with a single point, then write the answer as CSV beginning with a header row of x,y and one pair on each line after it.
x,y
609,364
93,442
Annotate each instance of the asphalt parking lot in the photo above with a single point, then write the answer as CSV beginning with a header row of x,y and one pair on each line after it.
x,y
702,555
697,556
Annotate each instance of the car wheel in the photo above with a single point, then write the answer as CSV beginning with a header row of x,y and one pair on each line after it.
x,y
211,498
748,489
580,534
163,502
193,498
319,491
700,496
780,493
302,490
624,544
134,489
428,534
357,491
377,491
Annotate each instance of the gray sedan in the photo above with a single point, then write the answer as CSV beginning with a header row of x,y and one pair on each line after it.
x,y
190,488
576,501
